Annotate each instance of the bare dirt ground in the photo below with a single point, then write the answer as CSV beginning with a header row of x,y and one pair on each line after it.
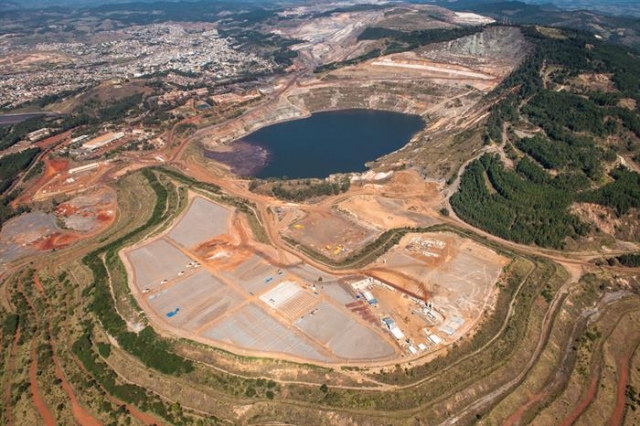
x,y
455,275
24,61
330,234
331,38
90,211
406,200
23,234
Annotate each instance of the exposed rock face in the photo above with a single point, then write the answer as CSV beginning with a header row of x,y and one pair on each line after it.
x,y
253,121
378,96
496,48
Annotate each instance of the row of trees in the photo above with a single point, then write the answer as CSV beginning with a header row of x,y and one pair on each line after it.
x,y
529,205
413,39
575,154
621,195
513,207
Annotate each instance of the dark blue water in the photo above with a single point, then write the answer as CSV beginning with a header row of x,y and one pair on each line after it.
x,y
331,142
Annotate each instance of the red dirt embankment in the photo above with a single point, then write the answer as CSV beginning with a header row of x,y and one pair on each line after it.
x,y
586,401
515,418
38,400
57,240
81,416
621,398
41,405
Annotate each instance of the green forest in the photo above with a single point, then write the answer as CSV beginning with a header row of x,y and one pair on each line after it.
x,y
510,205
565,163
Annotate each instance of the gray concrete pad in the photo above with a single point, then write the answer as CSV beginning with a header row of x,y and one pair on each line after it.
x,y
252,328
255,275
468,268
155,262
201,299
281,294
346,337
203,221
337,292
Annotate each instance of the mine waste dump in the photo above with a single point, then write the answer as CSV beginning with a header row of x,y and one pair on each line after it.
x,y
323,144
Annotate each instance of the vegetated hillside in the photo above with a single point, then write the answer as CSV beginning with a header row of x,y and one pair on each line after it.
x,y
572,135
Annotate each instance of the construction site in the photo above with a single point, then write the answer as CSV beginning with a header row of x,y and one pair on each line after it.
x,y
205,280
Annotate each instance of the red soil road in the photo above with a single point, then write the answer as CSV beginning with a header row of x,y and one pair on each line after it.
x,y
56,240
51,167
38,401
81,415
591,393
38,284
515,418
145,418
8,373
621,399
52,141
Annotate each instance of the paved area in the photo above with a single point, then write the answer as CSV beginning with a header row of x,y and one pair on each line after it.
x,y
200,299
203,221
157,261
355,341
255,275
252,328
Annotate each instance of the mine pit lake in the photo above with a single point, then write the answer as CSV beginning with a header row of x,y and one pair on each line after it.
x,y
325,143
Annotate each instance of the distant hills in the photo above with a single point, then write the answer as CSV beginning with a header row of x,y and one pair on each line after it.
x,y
628,8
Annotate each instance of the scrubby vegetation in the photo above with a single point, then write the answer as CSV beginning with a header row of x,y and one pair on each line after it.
x,y
558,112
309,190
